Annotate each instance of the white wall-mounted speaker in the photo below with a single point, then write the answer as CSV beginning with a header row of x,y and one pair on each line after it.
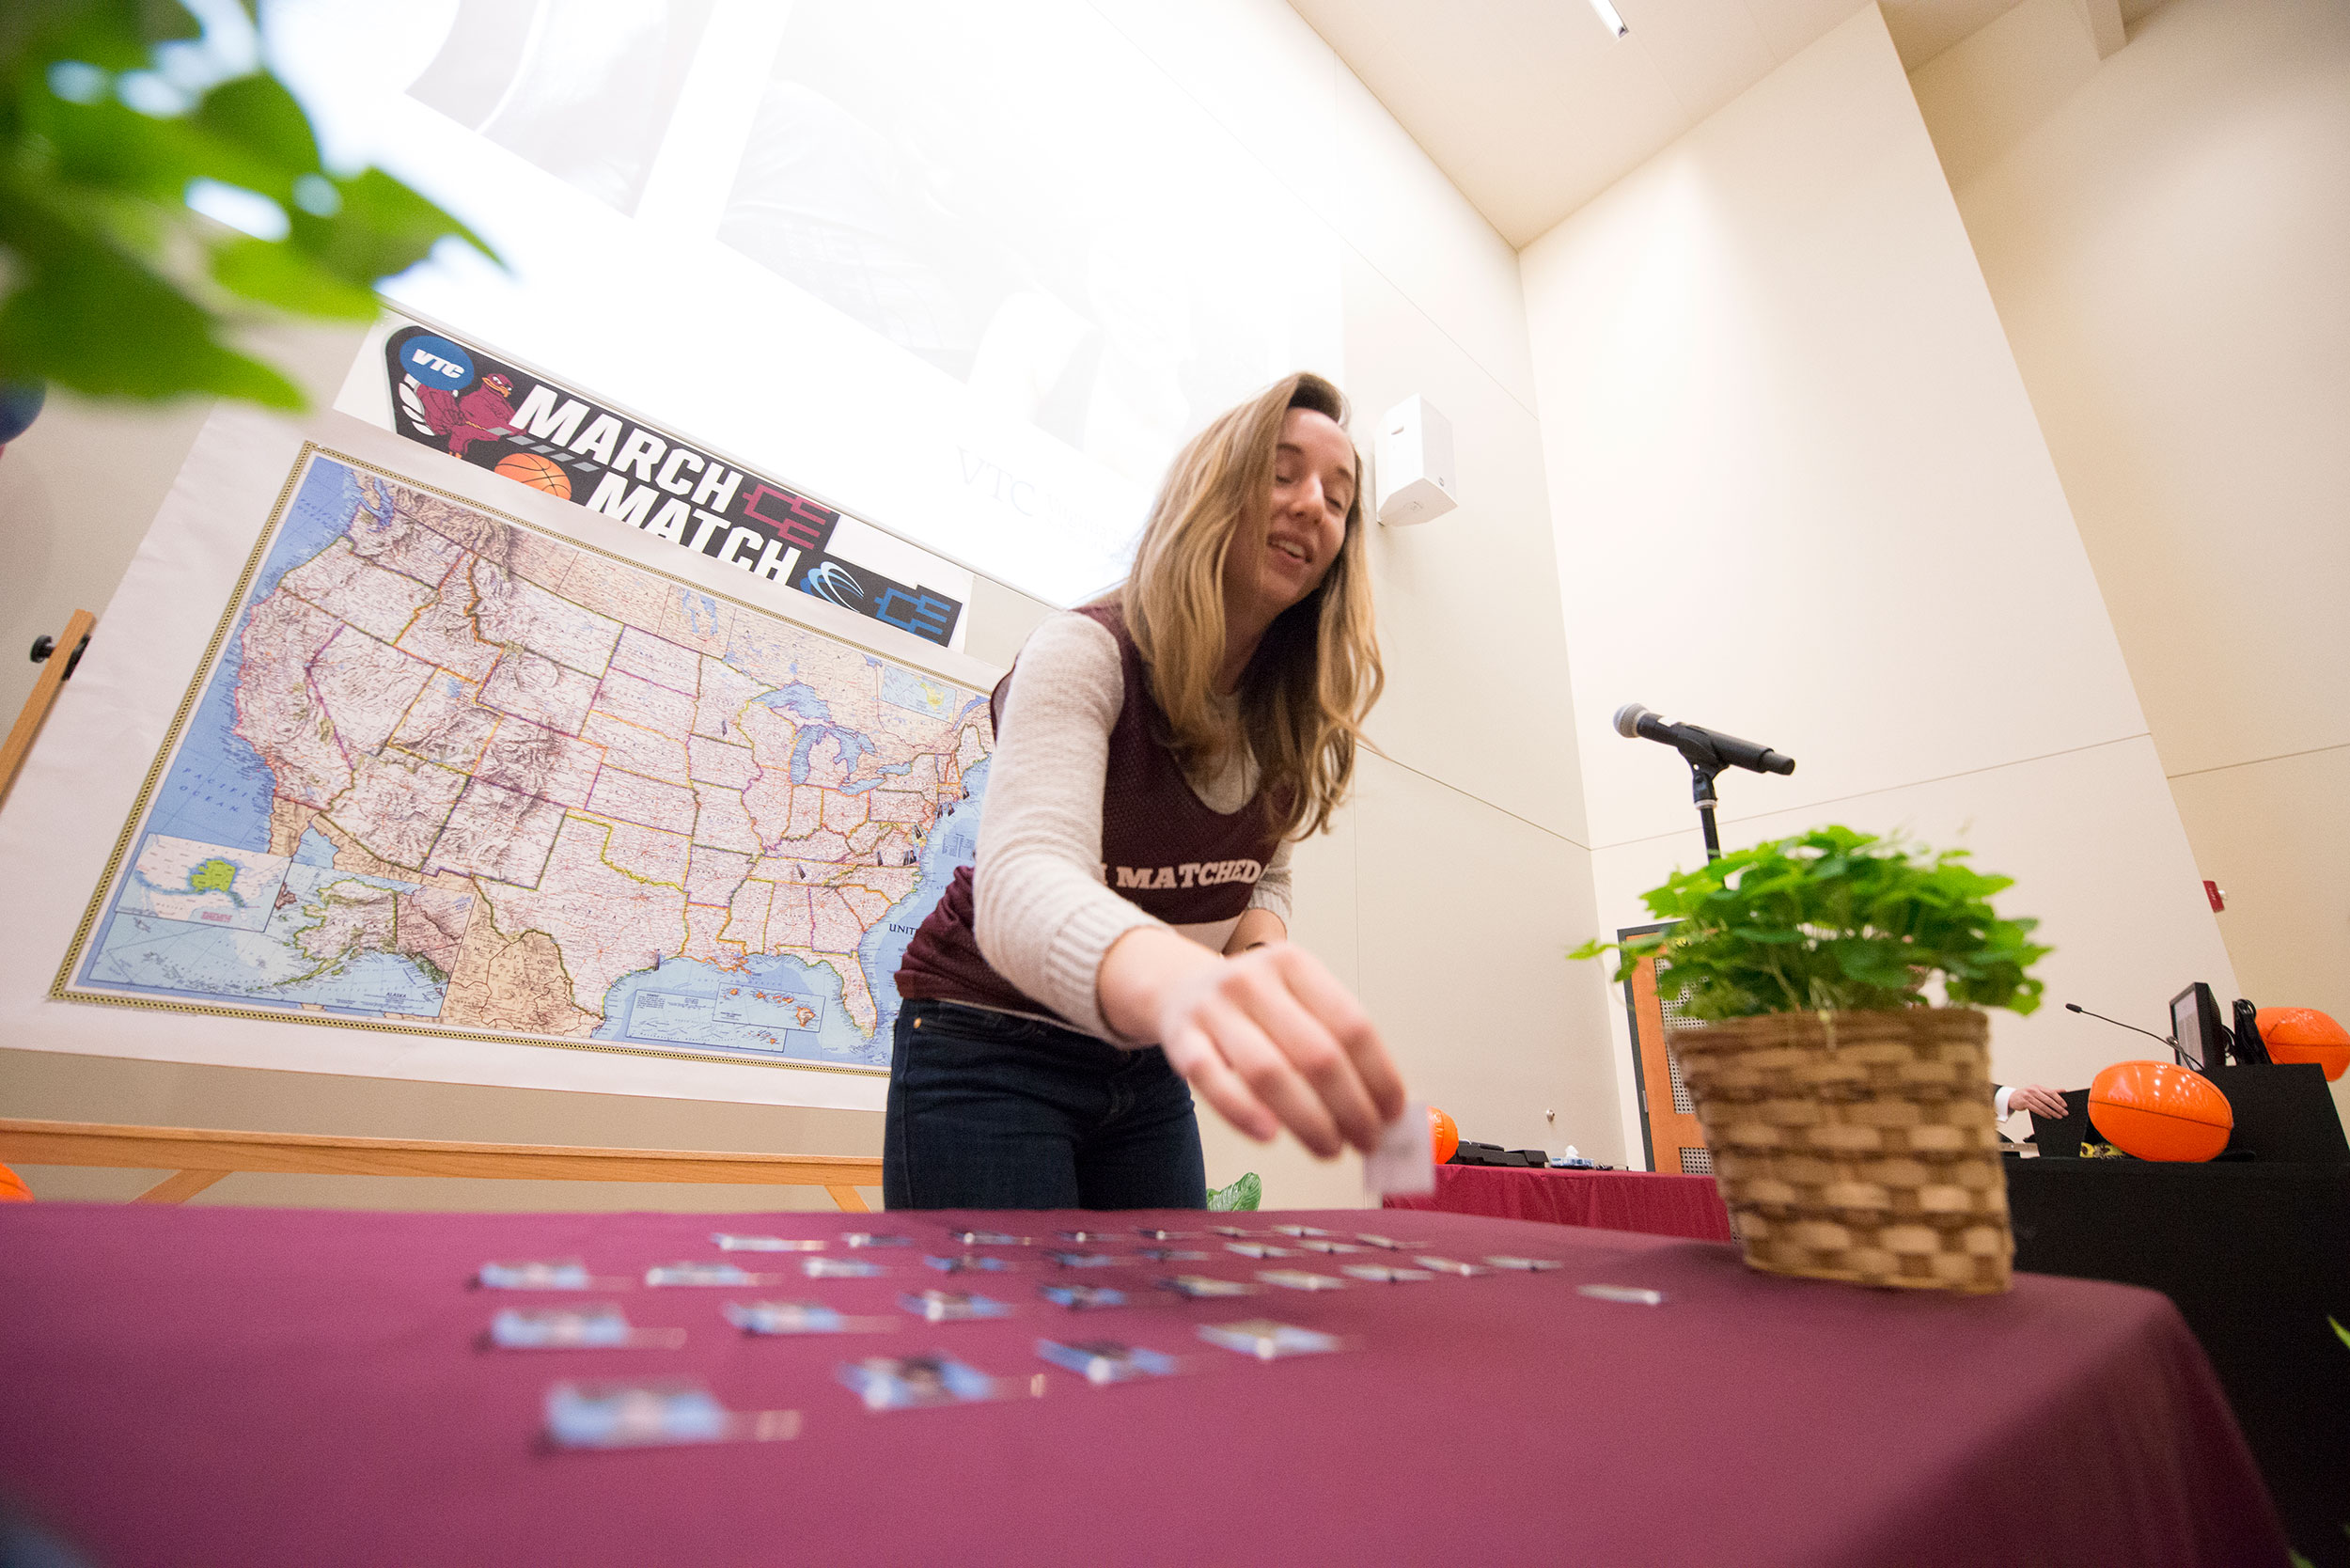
x,y
1413,456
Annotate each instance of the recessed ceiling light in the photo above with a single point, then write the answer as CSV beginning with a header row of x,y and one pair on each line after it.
x,y
1608,14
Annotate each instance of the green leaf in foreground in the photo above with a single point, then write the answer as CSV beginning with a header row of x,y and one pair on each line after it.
x,y
110,284
1245,1194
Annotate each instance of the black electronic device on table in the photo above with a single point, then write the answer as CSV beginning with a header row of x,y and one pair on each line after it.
x,y
1492,1153
2059,1138
2198,1037
2250,1048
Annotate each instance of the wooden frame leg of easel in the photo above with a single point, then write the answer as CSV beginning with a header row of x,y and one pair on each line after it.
x,y
849,1200
45,688
180,1189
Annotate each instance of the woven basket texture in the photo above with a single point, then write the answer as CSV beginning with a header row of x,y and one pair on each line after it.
x,y
1857,1146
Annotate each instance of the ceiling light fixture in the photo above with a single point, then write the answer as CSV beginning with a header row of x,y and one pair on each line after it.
x,y
1608,14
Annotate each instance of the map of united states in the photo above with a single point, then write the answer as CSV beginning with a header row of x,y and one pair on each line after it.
x,y
449,771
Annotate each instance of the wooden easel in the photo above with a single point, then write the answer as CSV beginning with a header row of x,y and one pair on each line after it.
x,y
57,664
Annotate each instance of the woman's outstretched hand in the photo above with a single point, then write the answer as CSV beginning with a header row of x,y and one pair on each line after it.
x,y
1268,1037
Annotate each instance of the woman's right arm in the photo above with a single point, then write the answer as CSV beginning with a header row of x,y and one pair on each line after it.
x,y
1042,915
1269,1037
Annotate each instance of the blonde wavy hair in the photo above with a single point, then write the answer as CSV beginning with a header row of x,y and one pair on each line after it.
x,y
1317,671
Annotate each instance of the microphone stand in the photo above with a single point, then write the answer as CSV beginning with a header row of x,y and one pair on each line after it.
x,y
1703,764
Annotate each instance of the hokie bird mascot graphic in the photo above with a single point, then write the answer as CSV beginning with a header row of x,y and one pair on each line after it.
x,y
484,414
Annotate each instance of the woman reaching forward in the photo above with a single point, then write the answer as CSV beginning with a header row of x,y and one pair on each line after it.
x,y
1125,930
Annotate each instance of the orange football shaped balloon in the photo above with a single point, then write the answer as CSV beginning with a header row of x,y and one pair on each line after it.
x,y
1444,1136
12,1188
2160,1112
2304,1034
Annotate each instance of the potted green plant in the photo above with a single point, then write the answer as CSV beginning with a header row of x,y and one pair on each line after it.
x,y
1846,1105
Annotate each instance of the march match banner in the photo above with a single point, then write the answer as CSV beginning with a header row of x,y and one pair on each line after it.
x,y
456,399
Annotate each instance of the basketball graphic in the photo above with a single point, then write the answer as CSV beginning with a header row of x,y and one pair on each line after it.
x,y
537,472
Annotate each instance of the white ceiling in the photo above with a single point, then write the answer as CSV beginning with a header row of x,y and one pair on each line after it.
x,y
1532,107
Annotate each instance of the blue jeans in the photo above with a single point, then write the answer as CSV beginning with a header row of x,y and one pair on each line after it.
x,y
991,1112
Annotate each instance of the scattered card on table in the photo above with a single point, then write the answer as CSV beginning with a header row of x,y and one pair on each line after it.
x,y
1634,1295
655,1415
991,1238
799,1317
1198,1287
1298,1279
841,1268
763,1243
866,1238
1268,1340
1328,1246
576,1328
1528,1265
1299,1230
1082,1298
1404,1163
1169,1255
916,1382
1082,1260
706,1274
1230,1231
1388,1242
567,1274
1259,1250
1102,1361
970,1263
1165,1235
1446,1265
1386,1274
951,1306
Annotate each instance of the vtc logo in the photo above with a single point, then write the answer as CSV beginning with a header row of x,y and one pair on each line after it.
x,y
830,580
436,362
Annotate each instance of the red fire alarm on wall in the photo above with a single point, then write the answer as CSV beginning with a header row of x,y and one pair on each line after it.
x,y
2219,899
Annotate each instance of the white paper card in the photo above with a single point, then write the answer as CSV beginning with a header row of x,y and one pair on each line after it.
x,y
1404,1163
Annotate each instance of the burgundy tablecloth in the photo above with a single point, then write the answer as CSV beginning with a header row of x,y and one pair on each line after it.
x,y
193,1386
1651,1202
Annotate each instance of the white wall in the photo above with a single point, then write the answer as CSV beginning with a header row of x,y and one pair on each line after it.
x,y
2164,235
1800,495
1449,889
1447,894
76,493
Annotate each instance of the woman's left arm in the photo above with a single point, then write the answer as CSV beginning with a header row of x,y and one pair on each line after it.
x,y
1258,928
1266,920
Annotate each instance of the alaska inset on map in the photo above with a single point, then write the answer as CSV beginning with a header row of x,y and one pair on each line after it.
x,y
449,771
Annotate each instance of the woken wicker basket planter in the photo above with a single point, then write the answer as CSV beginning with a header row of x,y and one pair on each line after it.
x,y
1857,1146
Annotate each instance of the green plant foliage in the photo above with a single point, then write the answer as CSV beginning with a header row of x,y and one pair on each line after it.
x,y
1833,920
1242,1195
110,284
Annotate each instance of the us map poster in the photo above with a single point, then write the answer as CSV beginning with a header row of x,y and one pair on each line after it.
x,y
442,770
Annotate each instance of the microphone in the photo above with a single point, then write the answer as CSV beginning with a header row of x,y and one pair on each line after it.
x,y
1704,747
2076,1007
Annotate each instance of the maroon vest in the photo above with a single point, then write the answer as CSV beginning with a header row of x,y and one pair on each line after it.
x,y
1162,850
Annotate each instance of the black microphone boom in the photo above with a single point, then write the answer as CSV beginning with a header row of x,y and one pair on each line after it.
x,y
2076,1007
1702,746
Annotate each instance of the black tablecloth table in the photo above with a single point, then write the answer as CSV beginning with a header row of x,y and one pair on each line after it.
x,y
2256,1255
